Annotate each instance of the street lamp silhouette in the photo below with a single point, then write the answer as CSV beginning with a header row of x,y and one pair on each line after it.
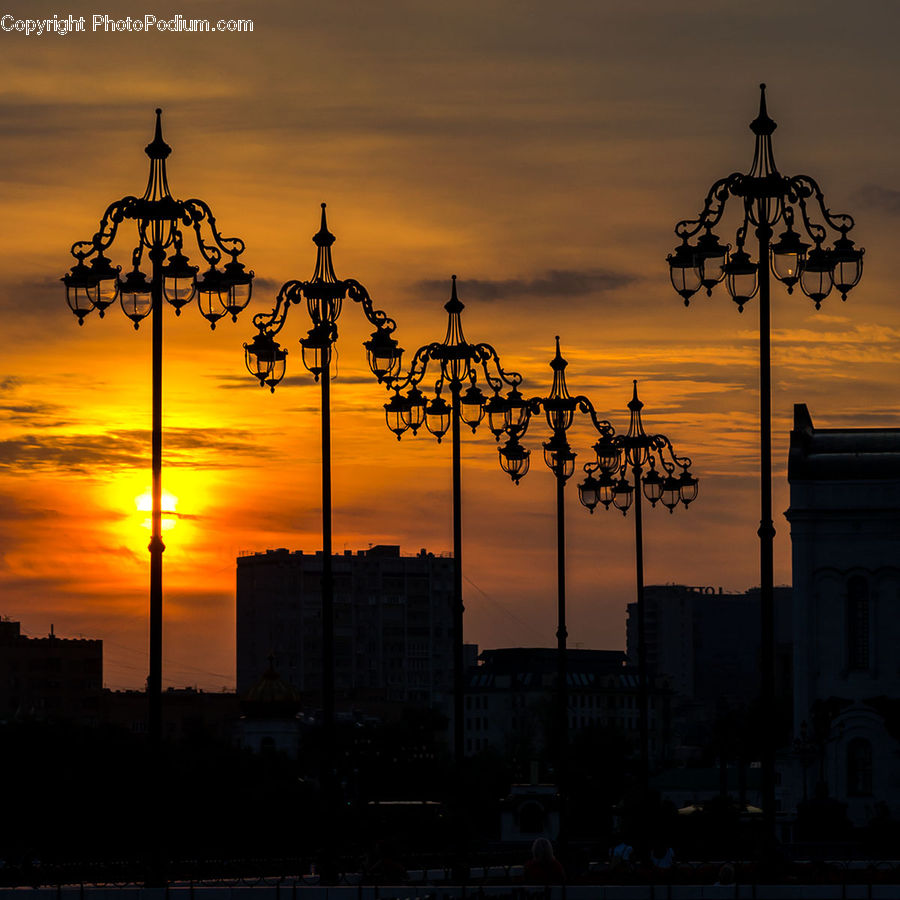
x,y
607,484
513,418
767,197
266,360
458,363
161,222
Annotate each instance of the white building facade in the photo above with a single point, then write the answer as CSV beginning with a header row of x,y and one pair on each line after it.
x,y
845,535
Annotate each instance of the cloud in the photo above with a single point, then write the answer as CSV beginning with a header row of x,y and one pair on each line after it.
x,y
86,453
16,509
881,198
301,380
269,285
554,283
33,299
33,415
24,414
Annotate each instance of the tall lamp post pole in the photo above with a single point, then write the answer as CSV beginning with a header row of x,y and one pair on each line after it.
x,y
767,197
615,455
161,221
513,419
266,360
458,363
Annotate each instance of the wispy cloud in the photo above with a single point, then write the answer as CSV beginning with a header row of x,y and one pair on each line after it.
x,y
554,283
300,379
269,285
882,198
86,453
33,415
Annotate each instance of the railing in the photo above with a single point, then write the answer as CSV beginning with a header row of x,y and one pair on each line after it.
x,y
285,877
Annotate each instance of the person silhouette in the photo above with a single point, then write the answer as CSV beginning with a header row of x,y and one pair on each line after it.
x,y
543,867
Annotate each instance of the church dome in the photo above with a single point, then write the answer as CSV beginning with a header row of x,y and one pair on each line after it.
x,y
272,697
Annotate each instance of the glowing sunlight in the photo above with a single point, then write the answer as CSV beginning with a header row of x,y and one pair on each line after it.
x,y
144,503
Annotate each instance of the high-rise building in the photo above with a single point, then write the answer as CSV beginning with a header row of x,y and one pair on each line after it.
x,y
393,625
707,641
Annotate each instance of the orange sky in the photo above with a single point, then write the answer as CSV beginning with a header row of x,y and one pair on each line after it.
x,y
542,156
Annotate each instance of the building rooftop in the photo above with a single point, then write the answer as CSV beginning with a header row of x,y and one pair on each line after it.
x,y
525,667
11,633
389,551
841,454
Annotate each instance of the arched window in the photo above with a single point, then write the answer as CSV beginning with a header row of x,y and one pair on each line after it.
x,y
858,624
859,768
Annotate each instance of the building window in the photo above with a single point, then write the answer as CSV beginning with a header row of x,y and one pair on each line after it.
x,y
858,624
859,768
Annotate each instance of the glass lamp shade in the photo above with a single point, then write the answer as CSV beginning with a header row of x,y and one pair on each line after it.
x,y
135,296
622,495
589,492
788,256
81,290
608,454
437,416
517,412
559,458
212,295
496,409
636,449
606,488
324,300
316,349
179,281
711,257
395,412
238,288
653,486
560,413
107,276
848,263
683,271
471,406
815,279
383,354
414,415
265,360
741,278
671,492
514,459
688,488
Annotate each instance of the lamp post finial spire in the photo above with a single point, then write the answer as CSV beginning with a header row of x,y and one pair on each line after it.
x,y
158,148
762,125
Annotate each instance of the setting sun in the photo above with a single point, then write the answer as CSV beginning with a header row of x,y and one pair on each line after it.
x,y
144,503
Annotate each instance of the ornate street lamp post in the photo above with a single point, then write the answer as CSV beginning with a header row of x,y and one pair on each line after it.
x,y
266,360
512,416
607,483
458,363
766,198
161,222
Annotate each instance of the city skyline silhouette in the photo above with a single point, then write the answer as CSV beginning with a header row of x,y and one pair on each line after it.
x,y
518,160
